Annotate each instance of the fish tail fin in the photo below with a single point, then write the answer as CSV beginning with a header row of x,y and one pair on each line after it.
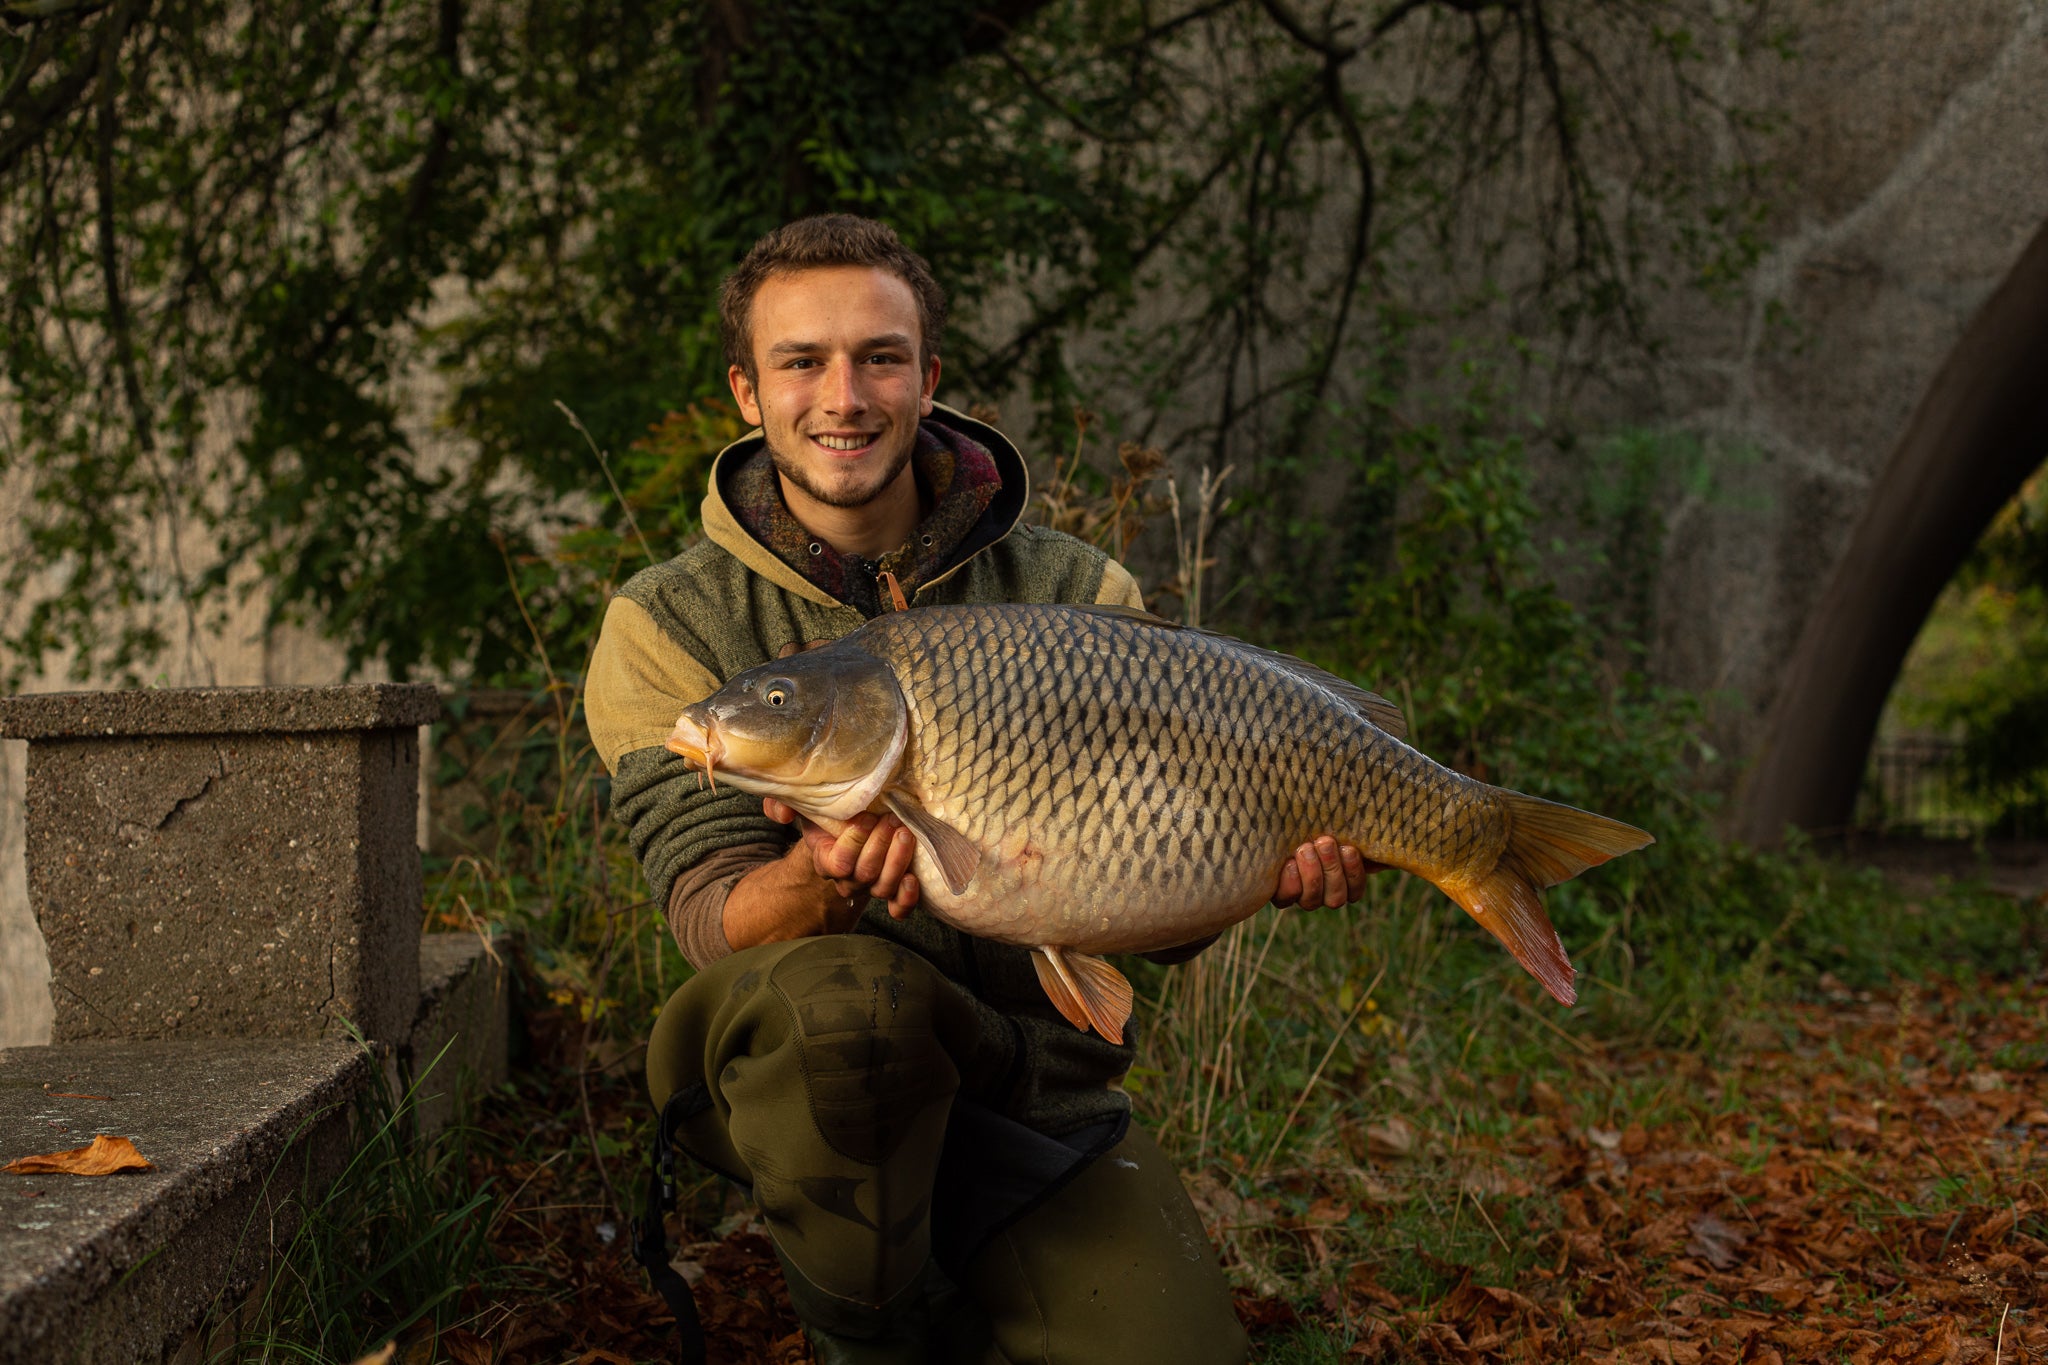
x,y
1547,843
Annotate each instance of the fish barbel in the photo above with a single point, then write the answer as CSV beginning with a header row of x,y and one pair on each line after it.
x,y
1090,780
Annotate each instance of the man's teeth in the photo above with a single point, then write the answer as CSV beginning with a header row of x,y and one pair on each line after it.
x,y
843,442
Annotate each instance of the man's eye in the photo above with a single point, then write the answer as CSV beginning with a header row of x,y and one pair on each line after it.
x,y
885,360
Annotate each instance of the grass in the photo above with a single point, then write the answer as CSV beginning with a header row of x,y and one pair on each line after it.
x,y
386,1249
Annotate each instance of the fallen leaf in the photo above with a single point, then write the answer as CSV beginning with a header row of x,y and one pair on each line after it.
x,y
102,1156
1391,1140
381,1356
1716,1242
465,1348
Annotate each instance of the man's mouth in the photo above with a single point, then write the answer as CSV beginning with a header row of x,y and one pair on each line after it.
x,y
846,444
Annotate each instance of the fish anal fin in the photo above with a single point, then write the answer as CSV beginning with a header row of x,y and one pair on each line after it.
x,y
1059,992
955,853
1097,989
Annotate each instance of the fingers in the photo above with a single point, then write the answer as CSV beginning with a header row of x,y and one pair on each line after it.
x,y
880,853
1289,890
1309,868
1336,891
840,857
1324,873
777,811
905,899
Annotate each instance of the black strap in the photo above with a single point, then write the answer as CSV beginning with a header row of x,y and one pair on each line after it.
x,y
650,1232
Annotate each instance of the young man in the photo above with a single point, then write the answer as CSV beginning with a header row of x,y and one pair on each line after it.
x,y
914,1118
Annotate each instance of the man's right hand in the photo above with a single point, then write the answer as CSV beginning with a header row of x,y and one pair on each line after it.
x,y
872,856
822,885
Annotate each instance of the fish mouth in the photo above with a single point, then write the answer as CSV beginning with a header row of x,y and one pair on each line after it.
x,y
698,745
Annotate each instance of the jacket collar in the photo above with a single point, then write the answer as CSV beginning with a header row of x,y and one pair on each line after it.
x,y
725,531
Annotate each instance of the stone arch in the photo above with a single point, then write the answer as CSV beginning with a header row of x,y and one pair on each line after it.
x,y
1978,432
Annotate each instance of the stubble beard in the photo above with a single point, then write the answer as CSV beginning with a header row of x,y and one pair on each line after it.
x,y
849,496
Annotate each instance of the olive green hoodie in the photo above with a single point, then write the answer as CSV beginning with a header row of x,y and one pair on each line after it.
x,y
678,630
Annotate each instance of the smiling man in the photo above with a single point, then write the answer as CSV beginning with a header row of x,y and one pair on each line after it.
x,y
947,1167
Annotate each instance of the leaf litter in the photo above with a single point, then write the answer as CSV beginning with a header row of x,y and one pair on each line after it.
x,y
1861,1181
1855,1180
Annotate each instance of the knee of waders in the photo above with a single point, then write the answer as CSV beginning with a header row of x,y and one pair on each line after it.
x,y
875,1026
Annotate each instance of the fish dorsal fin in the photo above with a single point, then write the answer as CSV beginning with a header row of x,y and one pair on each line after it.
x,y
954,852
1374,707
1371,705
1087,990
1137,614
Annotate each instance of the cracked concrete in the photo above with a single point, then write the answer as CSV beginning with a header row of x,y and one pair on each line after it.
x,y
233,1127
196,869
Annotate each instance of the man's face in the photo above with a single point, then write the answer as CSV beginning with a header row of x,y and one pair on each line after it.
x,y
838,387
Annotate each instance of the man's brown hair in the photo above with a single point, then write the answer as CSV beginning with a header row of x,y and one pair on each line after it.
x,y
832,239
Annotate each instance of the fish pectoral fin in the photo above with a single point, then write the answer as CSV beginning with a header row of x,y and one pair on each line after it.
x,y
1087,984
1056,989
955,853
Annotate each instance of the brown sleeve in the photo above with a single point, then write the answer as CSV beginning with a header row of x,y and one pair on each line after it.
x,y
696,903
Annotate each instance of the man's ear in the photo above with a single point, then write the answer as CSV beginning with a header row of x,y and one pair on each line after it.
x,y
931,386
744,394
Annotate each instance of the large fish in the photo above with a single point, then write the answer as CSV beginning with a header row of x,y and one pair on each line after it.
x,y
1090,780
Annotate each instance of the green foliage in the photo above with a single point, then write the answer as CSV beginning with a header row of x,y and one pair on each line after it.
x,y
1979,670
292,293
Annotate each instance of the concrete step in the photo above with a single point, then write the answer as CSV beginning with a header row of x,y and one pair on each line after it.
x,y
98,1269
103,1270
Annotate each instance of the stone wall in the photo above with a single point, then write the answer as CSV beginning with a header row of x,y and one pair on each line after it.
x,y
1915,151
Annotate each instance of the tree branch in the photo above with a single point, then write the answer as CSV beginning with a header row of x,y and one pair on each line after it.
x,y
112,35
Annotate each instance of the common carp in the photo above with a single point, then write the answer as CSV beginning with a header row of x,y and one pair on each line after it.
x,y
1091,780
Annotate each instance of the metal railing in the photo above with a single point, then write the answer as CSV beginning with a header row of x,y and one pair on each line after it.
x,y
1916,784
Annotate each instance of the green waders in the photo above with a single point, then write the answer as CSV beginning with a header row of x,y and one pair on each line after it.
x,y
830,1069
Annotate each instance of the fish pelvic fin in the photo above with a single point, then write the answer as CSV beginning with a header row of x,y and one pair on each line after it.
x,y
1085,989
1547,843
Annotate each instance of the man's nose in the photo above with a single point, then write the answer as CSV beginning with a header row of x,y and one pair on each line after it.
x,y
844,394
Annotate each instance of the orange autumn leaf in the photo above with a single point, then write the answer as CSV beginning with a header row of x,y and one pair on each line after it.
x,y
102,1156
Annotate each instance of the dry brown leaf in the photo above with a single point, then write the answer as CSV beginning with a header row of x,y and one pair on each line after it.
x,y
1391,1140
104,1155
1715,1242
466,1348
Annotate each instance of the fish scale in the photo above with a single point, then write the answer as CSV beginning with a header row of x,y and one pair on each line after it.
x,y
1085,781
1261,754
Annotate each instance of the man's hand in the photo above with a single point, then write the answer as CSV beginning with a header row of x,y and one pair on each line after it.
x,y
1324,874
872,856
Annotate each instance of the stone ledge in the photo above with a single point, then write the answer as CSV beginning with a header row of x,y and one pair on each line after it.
x,y
460,1038
218,711
117,1268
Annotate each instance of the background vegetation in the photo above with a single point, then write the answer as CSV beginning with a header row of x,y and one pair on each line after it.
x,y
297,294
294,289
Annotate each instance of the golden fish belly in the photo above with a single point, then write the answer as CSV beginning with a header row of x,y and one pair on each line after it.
x,y
1134,787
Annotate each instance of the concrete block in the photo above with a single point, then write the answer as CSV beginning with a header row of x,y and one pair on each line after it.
x,y
104,1269
226,862
459,1044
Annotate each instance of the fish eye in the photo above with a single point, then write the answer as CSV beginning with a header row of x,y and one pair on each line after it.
x,y
777,693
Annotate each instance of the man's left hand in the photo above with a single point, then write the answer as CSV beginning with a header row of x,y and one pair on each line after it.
x,y
1324,874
